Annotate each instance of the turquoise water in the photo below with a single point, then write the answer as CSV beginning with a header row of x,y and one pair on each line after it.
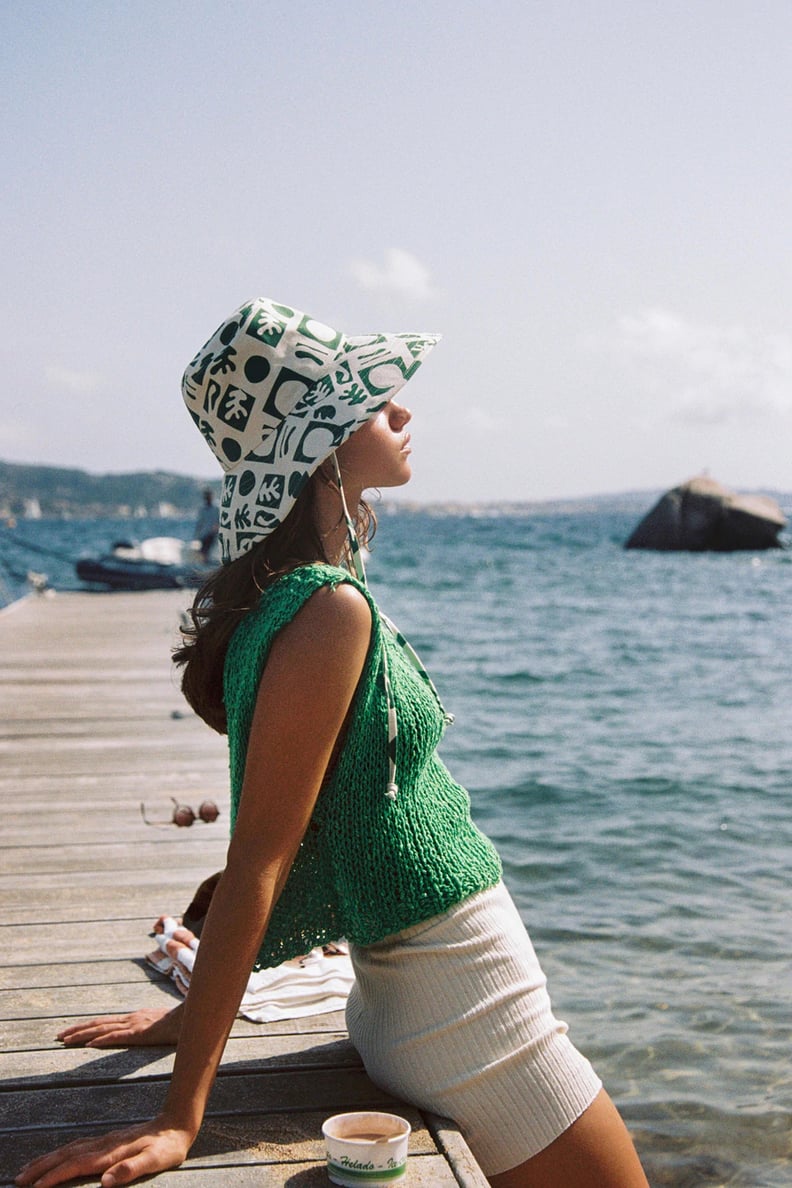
x,y
623,726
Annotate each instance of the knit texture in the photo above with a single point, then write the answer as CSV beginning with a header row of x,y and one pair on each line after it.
x,y
368,866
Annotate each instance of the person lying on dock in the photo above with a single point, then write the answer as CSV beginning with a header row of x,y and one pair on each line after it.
x,y
345,822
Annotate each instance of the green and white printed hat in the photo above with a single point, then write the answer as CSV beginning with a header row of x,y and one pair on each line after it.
x,y
275,392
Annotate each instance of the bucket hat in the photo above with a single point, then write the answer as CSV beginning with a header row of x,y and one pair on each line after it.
x,y
275,392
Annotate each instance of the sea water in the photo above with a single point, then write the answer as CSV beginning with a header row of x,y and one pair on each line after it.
x,y
623,727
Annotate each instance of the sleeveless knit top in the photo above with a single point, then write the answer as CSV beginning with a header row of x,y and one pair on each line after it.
x,y
369,865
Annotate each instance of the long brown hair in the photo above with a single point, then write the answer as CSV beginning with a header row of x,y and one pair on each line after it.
x,y
234,589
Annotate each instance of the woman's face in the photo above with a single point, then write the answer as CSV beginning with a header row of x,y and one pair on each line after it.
x,y
378,454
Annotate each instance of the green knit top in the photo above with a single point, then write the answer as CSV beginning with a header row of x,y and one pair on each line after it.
x,y
368,865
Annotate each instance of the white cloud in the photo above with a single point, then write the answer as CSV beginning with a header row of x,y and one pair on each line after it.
x,y
705,373
79,382
402,273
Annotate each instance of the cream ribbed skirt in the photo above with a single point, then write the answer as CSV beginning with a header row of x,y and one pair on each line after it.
x,y
453,1016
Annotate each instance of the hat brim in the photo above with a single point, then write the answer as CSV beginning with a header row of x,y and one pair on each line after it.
x,y
366,372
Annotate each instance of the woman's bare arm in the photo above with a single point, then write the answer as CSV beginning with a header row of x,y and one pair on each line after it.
x,y
308,685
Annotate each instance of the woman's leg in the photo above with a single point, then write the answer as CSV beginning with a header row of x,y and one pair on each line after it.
x,y
595,1152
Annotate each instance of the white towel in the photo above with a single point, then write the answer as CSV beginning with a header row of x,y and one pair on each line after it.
x,y
310,985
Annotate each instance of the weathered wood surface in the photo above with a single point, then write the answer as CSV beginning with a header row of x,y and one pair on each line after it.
x,y
92,723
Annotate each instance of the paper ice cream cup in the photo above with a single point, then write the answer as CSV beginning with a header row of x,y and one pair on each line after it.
x,y
366,1148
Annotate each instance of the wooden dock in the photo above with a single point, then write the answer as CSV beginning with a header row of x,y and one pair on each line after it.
x,y
92,723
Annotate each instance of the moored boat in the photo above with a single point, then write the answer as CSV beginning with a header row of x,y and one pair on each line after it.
x,y
158,563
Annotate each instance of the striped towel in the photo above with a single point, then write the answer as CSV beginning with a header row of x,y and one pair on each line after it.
x,y
311,985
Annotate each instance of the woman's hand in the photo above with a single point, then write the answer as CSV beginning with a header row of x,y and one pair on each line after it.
x,y
153,1028
118,1157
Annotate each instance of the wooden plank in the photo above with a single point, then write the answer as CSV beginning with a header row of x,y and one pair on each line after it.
x,y
257,1136
49,1002
146,758
46,1003
131,909
65,867
100,806
331,1089
457,1152
90,972
40,944
22,1035
265,1148
87,861
424,1171
261,1053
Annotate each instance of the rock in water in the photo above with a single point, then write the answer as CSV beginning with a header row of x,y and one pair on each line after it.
x,y
702,515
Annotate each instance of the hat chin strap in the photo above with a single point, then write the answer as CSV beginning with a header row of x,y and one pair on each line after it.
x,y
355,552
359,570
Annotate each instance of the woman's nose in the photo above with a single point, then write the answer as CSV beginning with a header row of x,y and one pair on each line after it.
x,y
401,414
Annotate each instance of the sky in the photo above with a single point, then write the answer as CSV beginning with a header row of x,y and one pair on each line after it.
x,y
589,199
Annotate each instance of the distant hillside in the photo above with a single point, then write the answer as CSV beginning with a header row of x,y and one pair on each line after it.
x,y
55,491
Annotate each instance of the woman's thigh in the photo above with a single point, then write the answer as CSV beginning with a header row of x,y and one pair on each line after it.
x,y
596,1151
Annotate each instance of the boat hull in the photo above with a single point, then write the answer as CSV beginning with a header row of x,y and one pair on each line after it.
x,y
110,574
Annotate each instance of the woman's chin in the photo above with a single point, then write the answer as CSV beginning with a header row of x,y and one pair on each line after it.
x,y
392,480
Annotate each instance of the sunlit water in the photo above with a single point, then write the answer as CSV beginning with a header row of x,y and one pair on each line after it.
x,y
623,726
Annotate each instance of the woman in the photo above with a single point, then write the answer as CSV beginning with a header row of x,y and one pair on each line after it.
x,y
344,820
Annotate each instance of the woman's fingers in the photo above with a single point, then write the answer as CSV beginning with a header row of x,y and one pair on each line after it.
x,y
117,1035
119,1157
142,1161
67,1163
80,1033
80,1158
121,1031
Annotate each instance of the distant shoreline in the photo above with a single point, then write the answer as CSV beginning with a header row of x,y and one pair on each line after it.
x,y
29,491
